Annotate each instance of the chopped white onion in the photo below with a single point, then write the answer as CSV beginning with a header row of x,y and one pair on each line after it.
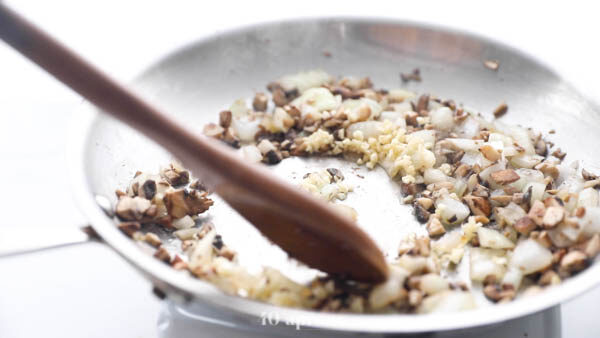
x,y
469,128
352,106
537,191
251,153
442,118
368,128
403,107
526,160
316,99
395,117
184,222
527,176
513,276
305,80
452,211
245,129
489,238
590,222
588,198
447,301
432,175
530,256
432,283
239,108
486,262
465,144
510,214
387,292
426,136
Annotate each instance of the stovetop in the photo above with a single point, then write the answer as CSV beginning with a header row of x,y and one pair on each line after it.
x,y
195,320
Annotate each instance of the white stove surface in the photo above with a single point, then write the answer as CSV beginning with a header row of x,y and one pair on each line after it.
x,y
87,290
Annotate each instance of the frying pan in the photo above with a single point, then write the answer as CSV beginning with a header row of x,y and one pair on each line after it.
x,y
196,82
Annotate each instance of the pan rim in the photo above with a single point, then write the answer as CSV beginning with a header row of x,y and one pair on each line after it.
x,y
186,288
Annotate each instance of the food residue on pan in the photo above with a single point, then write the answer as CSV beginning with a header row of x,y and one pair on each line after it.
x,y
415,75
492,64
493,196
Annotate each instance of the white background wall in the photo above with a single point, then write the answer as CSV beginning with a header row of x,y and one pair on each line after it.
x,y
87,291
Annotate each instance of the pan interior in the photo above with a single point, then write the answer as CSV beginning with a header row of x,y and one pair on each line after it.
x,y
195,83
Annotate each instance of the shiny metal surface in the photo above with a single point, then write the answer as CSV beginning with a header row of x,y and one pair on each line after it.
x,y
198,81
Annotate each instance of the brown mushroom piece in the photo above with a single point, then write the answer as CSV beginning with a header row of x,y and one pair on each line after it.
x,y
525,225
182,202
572,262
129,228
553,216
505,176
260,102
479,206
175,175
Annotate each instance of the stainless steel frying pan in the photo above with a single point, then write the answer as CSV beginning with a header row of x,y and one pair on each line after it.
x,y
205,77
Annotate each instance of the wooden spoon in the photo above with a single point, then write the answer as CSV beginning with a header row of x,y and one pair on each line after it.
x,y
307,229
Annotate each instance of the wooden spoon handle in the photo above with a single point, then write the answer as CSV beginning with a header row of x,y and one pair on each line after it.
x,y
304,227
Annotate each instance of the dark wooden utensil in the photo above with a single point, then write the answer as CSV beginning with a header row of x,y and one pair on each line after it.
x,y
307,229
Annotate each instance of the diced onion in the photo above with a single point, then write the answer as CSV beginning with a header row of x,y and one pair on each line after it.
x,y
486,262
447,301
432,175
442,118
588,198
530,256
432,283
489,238
251,153
184,222
452,211
367,128
246,129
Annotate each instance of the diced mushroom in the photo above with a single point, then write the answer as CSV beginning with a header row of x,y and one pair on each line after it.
x,y
481,191
497,293
163,254
426,203
559,154
478,205
435,227
500,110
213,130
525,225
129,228
505,176
421,214
537,212
490,153
148,189
572,262
553,216
225,118
175,175
182,202
260,102
272,157
152,239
